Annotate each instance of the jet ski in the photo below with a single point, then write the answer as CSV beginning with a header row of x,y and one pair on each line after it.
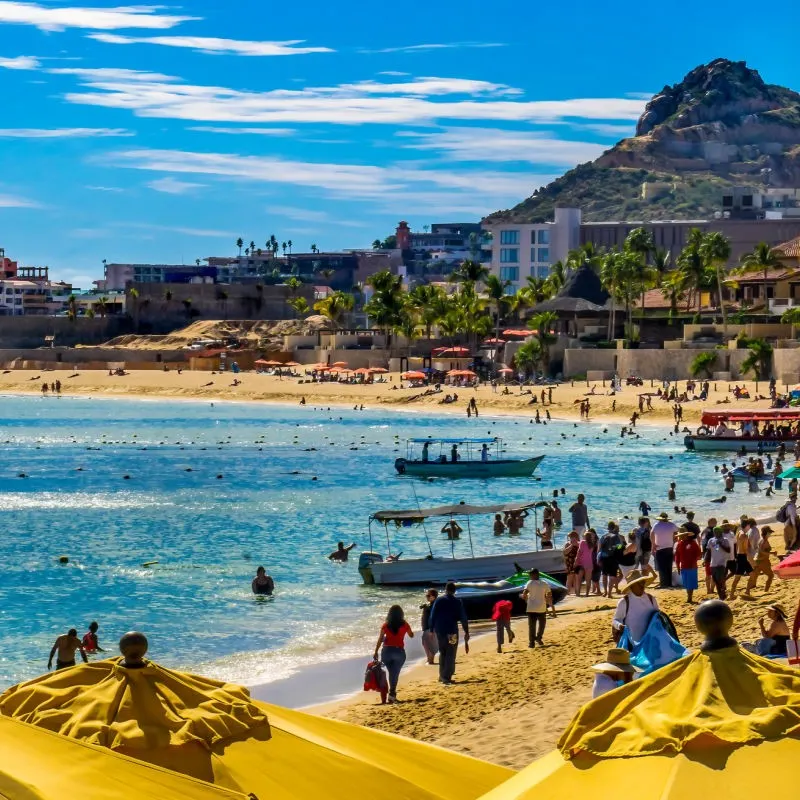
x,y
479,598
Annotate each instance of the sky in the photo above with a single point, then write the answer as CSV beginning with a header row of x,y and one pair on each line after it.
x,y
161,134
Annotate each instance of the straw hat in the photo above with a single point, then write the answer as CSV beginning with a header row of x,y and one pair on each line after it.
x,y
663,515
636,577
778,609
617,660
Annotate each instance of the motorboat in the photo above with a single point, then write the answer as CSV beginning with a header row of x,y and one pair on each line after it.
x,y
462,458
479,598
432,570
746,431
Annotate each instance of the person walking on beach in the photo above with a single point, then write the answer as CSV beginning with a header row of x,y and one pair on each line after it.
x,y
663,536
762,564
65,646
341,552
719,550
429,643
90,642
446,615
570,559
611,548
687,556
787,514
263,583
393,653
538,597
644,548
743,565
584,563
580,515
501,614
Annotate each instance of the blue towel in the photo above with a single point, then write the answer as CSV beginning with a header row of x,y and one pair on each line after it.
x,y
657,647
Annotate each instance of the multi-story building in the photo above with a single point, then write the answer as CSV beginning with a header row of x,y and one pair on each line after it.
x,y
528,250
437,252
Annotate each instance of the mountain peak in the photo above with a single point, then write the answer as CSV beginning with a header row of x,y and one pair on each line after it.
x,y
706,93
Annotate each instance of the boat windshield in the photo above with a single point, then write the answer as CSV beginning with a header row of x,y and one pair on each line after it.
x,y
455,449
778,424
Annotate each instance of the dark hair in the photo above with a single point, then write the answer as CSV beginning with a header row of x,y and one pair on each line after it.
x,y
72,632
690,515
260,569
395,619
93,626
434,592
450,588
340,545
533,572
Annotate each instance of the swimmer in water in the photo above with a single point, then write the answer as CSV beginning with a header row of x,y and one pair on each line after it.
x,y
263,583
90,641
66,645
341,552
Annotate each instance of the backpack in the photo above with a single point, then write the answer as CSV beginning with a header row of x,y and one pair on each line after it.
x,y
782,514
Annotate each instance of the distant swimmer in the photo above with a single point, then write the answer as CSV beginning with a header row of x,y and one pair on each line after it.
x,y
719,499
263,583
341,552
90,641
65,646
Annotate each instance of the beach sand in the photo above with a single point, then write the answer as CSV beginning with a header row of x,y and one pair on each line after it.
x,y
511,708
268,388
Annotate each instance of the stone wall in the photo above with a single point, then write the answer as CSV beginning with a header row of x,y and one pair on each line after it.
x,y
70,358
30,331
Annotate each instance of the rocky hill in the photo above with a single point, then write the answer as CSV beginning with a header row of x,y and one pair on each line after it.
x,y
721,126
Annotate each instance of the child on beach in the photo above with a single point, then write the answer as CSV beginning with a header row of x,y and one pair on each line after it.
x,y
501,614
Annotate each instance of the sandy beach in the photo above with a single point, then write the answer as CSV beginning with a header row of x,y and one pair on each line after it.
x,y
267,388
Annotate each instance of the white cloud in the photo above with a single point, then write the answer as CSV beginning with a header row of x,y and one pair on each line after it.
x,y
299,214
101,74
348,104
394,73
205,44
493,144
20,62
241,131
421,48
172,186
610,130
62,133
115,189
12,201
51,18
204,232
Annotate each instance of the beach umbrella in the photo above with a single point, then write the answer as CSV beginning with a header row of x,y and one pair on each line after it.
x,y
378,370
505,369
361,371
789,568
340,364
414,376
291,364
213,731
518,333
40,765
680,733
262,363
791,472
494,341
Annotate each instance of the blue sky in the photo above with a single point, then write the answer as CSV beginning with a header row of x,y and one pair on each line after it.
x,y
162,133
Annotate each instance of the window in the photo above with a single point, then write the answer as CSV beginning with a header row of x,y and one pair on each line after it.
x,y
544,255
543,272
509,273
509,237
509,255
544,237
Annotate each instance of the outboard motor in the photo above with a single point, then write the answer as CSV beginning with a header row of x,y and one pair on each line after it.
x,y
365,562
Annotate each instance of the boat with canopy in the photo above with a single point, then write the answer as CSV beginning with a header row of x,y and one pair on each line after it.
x,y
745,430
445,458
394,570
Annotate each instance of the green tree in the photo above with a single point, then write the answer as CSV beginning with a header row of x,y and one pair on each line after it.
x,y
759,360
133,296
529,357
240,244
469,272
611,278
703,364
692,263
289,245
638,246
542,324
376,244
429,303
498,299
791,316
470,312
762,259
715,250
387,302
660,260
252,247
557,278
314,248
673,287
299,305
334,307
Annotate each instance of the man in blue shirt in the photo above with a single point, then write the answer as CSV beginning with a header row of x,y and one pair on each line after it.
x,y
446,614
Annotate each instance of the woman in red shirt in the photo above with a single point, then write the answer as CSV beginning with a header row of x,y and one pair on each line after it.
x,y
393,654
687,554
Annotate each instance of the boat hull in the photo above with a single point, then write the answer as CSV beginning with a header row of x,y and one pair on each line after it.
x,y
506,468
736,444
438,571
479,603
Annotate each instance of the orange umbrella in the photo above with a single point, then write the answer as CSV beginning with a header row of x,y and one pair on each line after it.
x,y
291,364
462,373
340,364
414,375
505,369
361,371
378,369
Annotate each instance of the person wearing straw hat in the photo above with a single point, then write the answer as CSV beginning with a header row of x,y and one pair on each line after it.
x,y
635,608
663,536
773,636
613,672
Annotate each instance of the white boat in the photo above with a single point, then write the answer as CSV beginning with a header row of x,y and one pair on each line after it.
x,y
394,570
746,431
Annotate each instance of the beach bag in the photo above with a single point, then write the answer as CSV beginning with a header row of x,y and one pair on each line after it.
x,y
658,647
782,514
375,679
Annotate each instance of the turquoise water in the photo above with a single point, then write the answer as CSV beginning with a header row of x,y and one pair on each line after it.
x,y
209,534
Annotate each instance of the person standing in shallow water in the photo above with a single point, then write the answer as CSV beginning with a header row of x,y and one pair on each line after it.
x,y
65,646
393,653
263,583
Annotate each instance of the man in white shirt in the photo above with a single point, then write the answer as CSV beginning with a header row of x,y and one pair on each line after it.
x,y
663,537
636,607
718,552
538,596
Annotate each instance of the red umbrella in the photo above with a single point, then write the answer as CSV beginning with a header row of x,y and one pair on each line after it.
x,y
505,369
789,568
291,364
494,341
380,370
414,376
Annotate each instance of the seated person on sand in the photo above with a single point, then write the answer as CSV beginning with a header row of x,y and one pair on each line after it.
x,y
615,671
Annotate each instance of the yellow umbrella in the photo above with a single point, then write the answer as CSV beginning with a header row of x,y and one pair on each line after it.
x,y
670,735
39,765
214,731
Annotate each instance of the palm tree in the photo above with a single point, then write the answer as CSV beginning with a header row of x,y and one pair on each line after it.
x,y
529,356
542,324
240,244
272,244
386,304
283,245
430,304
289,243
299,305
673,288
496,292
334,307
762,259
661,259
376,244
557,277
407,328
313,248
133,294
610,276
197,262
716,250
638,245
693,266
469,272
760,359
252,246
102,306
470,310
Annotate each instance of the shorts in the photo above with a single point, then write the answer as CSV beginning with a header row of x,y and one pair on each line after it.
x,y
743,566
63,664
689,578
609,567
596,572
579,529
643,560
730,566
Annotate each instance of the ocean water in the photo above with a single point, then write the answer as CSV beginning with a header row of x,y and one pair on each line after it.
x,y
208,534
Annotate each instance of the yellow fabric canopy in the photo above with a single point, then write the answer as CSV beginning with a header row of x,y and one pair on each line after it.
x,y
38,765
669,735
214,731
